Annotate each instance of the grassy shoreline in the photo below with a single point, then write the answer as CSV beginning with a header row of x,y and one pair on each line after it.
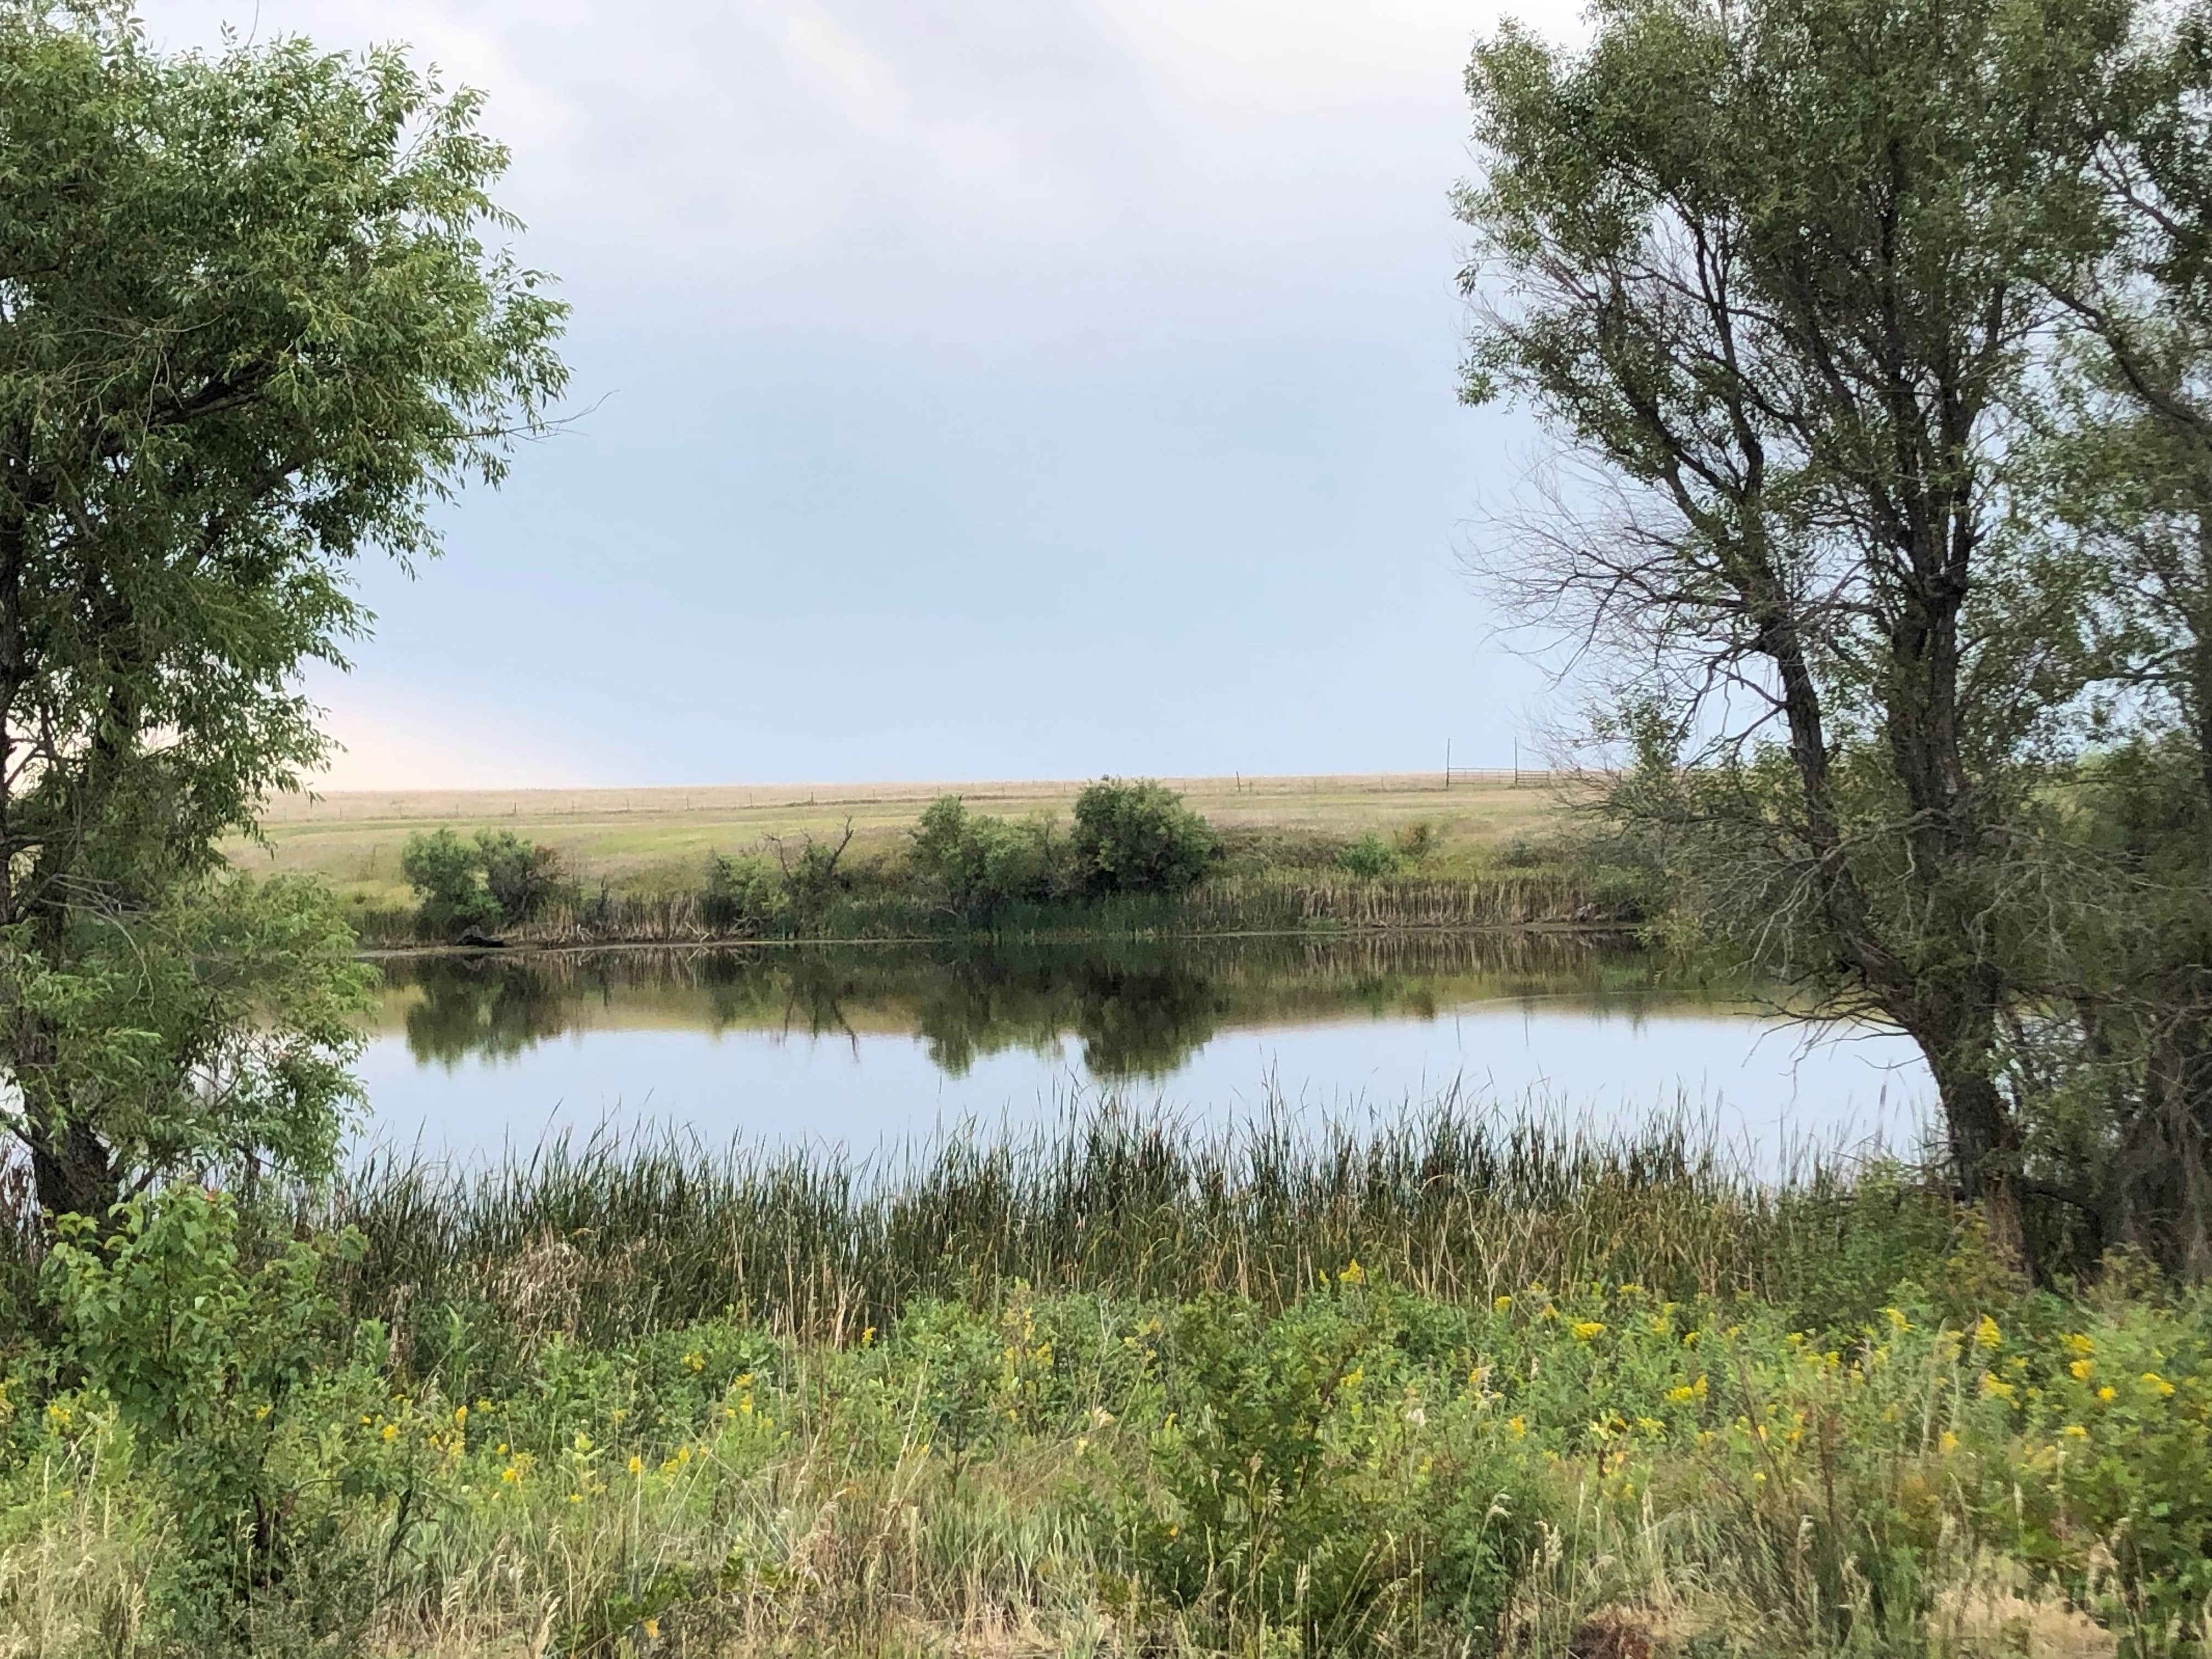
x,y
1445,1385
1266,902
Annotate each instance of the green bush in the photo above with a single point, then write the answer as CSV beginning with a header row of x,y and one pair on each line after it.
x,y
447,876
225,1374
975,864
1369,857
743,895
496,880
523,878
1139,837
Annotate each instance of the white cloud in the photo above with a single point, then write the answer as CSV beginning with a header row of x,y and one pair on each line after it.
x,y
942,164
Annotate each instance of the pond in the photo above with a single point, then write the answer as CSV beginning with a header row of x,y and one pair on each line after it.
x,y
866,1046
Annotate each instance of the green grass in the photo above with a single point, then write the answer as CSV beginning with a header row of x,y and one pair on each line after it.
x,y
1439,1386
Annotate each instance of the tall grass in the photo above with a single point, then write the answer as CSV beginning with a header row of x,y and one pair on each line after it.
x,y
1268,901
604,1240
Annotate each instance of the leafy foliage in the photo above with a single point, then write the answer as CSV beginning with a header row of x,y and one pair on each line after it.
x,y
1369,857
1139,837
496,880
743,895
251,332
980,864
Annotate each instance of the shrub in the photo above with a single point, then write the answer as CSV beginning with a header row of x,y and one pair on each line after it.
x,y
1367,857
496,880
1414,842
976,864
522,878
1139,837
744,895
1522,854
222,1372
447,875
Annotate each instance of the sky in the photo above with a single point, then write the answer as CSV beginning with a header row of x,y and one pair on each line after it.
x,y
962,389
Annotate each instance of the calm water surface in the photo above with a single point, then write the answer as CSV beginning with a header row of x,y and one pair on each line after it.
x,y
861,1047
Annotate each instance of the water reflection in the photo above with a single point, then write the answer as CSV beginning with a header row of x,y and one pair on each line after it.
x,y
865,1046
1138,1012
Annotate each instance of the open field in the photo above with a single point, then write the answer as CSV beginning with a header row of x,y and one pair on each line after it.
x,y
642,837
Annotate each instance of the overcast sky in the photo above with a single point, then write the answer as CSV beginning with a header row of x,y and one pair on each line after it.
x,y
967,389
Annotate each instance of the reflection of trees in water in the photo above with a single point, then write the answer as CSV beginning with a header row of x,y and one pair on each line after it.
x,y
471,1006
1134,1021
1140,1009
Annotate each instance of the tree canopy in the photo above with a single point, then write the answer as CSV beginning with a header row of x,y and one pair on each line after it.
x,y
1809,290
252,331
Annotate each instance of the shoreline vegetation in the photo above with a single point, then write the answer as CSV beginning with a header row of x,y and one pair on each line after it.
x,y
1132,860
1445,1384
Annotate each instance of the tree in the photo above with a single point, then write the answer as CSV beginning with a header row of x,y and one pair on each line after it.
x,y
2125,1025
1781,272
250,333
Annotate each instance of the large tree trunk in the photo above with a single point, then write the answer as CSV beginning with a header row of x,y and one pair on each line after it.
x,y
1956,1032
74,1172
2159,1186
71,1167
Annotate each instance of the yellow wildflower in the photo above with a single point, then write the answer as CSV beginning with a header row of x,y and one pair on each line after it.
x,y
2077,1431
2108,1394
653,1630
1501,1304
1987,1335
636,1463
1992,1389
1948,1442
391,1430
1353,1275
2158,1384
695,1362
2082,1369
1518,1425
1586,1328
511,1474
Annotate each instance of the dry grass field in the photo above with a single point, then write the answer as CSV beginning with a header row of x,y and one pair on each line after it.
x,y
641,837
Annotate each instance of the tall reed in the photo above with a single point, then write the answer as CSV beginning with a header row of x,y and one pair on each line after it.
x,y
1271,901
604,1240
